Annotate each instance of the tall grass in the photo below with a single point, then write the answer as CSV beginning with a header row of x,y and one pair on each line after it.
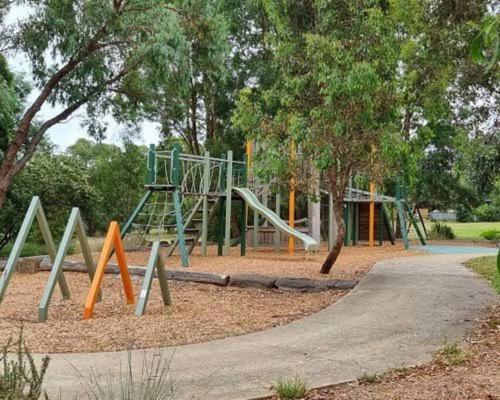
x,y
152,381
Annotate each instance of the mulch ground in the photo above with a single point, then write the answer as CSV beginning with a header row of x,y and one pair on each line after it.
x,y
353,262
476,378
199,312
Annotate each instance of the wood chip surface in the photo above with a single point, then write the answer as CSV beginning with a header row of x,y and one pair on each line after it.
x,y
199,312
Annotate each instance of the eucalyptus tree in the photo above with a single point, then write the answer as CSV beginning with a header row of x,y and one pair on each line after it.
x,y
334,95
84,53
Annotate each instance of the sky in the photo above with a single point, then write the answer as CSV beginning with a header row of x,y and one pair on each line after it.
x,y
66,133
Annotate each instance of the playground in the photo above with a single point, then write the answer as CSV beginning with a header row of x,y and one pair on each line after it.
x,y
229,200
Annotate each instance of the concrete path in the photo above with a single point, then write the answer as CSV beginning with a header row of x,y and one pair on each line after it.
x,y
398,315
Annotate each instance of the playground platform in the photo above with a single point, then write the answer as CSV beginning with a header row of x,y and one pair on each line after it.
x,y
397,316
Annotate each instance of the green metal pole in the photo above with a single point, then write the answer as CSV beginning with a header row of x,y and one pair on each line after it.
x,y
206,188
380,225
346,218
177,205
277,233
229,192
244,213
330,221
349,223
136,212
356,224
151,177
220,227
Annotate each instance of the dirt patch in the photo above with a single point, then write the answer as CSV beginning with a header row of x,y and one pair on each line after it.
x,y
199,313
476,378
353,262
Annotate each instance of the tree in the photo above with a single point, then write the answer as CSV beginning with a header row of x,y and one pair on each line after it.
x,y
60,181
99,48
333,98
116,175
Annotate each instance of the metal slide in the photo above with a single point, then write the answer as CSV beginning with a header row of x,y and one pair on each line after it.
x,y
309,243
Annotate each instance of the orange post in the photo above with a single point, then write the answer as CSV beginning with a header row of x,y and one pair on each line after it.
x,y
371,226
249,151
291,203
112,240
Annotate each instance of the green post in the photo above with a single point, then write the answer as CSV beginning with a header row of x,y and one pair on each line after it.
x,y
356,224
155,262
34,210
346,218
349,223
151,177
330,221
277,233
415,225
380,225
206,188
136,212
75,223
229,192
243,213
220,227
176,179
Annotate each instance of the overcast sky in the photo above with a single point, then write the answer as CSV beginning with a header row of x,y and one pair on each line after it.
x,y
66,133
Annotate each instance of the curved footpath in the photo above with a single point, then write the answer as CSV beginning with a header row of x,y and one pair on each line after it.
x,y
398,315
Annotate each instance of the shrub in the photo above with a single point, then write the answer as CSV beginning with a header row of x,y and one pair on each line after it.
x,y
152,381
464,213
487,213
20,378
441,231
290,389
490,234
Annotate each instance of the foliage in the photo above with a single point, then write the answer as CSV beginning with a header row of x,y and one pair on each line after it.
x,y
487,213
152,382
116,175
491,234
20,378
61,182
441,231
100,51
290,389
487,268
485,48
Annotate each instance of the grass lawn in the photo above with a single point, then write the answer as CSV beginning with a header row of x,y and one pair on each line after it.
x,y
486,268
469,230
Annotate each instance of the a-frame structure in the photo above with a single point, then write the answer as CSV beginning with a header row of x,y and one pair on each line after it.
x,y
35,210
155,263
112,242
75,223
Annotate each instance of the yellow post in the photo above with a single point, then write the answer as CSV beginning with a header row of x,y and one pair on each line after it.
x,y
249,149
291,203
371,227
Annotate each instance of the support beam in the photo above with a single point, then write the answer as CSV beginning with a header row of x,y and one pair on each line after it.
x,y
34,210
371,221
229,190
206,189
155,262
277,232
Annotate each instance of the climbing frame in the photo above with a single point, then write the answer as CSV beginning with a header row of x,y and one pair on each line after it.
x,y
112,241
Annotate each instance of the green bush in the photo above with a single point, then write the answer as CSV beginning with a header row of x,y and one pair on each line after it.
x,y
487,213
20,378
464,213
490,234
441,231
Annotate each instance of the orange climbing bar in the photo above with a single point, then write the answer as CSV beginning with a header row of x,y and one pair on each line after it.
x,y
371,226
112,241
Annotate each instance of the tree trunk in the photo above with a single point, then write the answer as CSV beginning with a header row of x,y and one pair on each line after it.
x,y
339,238
313,205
